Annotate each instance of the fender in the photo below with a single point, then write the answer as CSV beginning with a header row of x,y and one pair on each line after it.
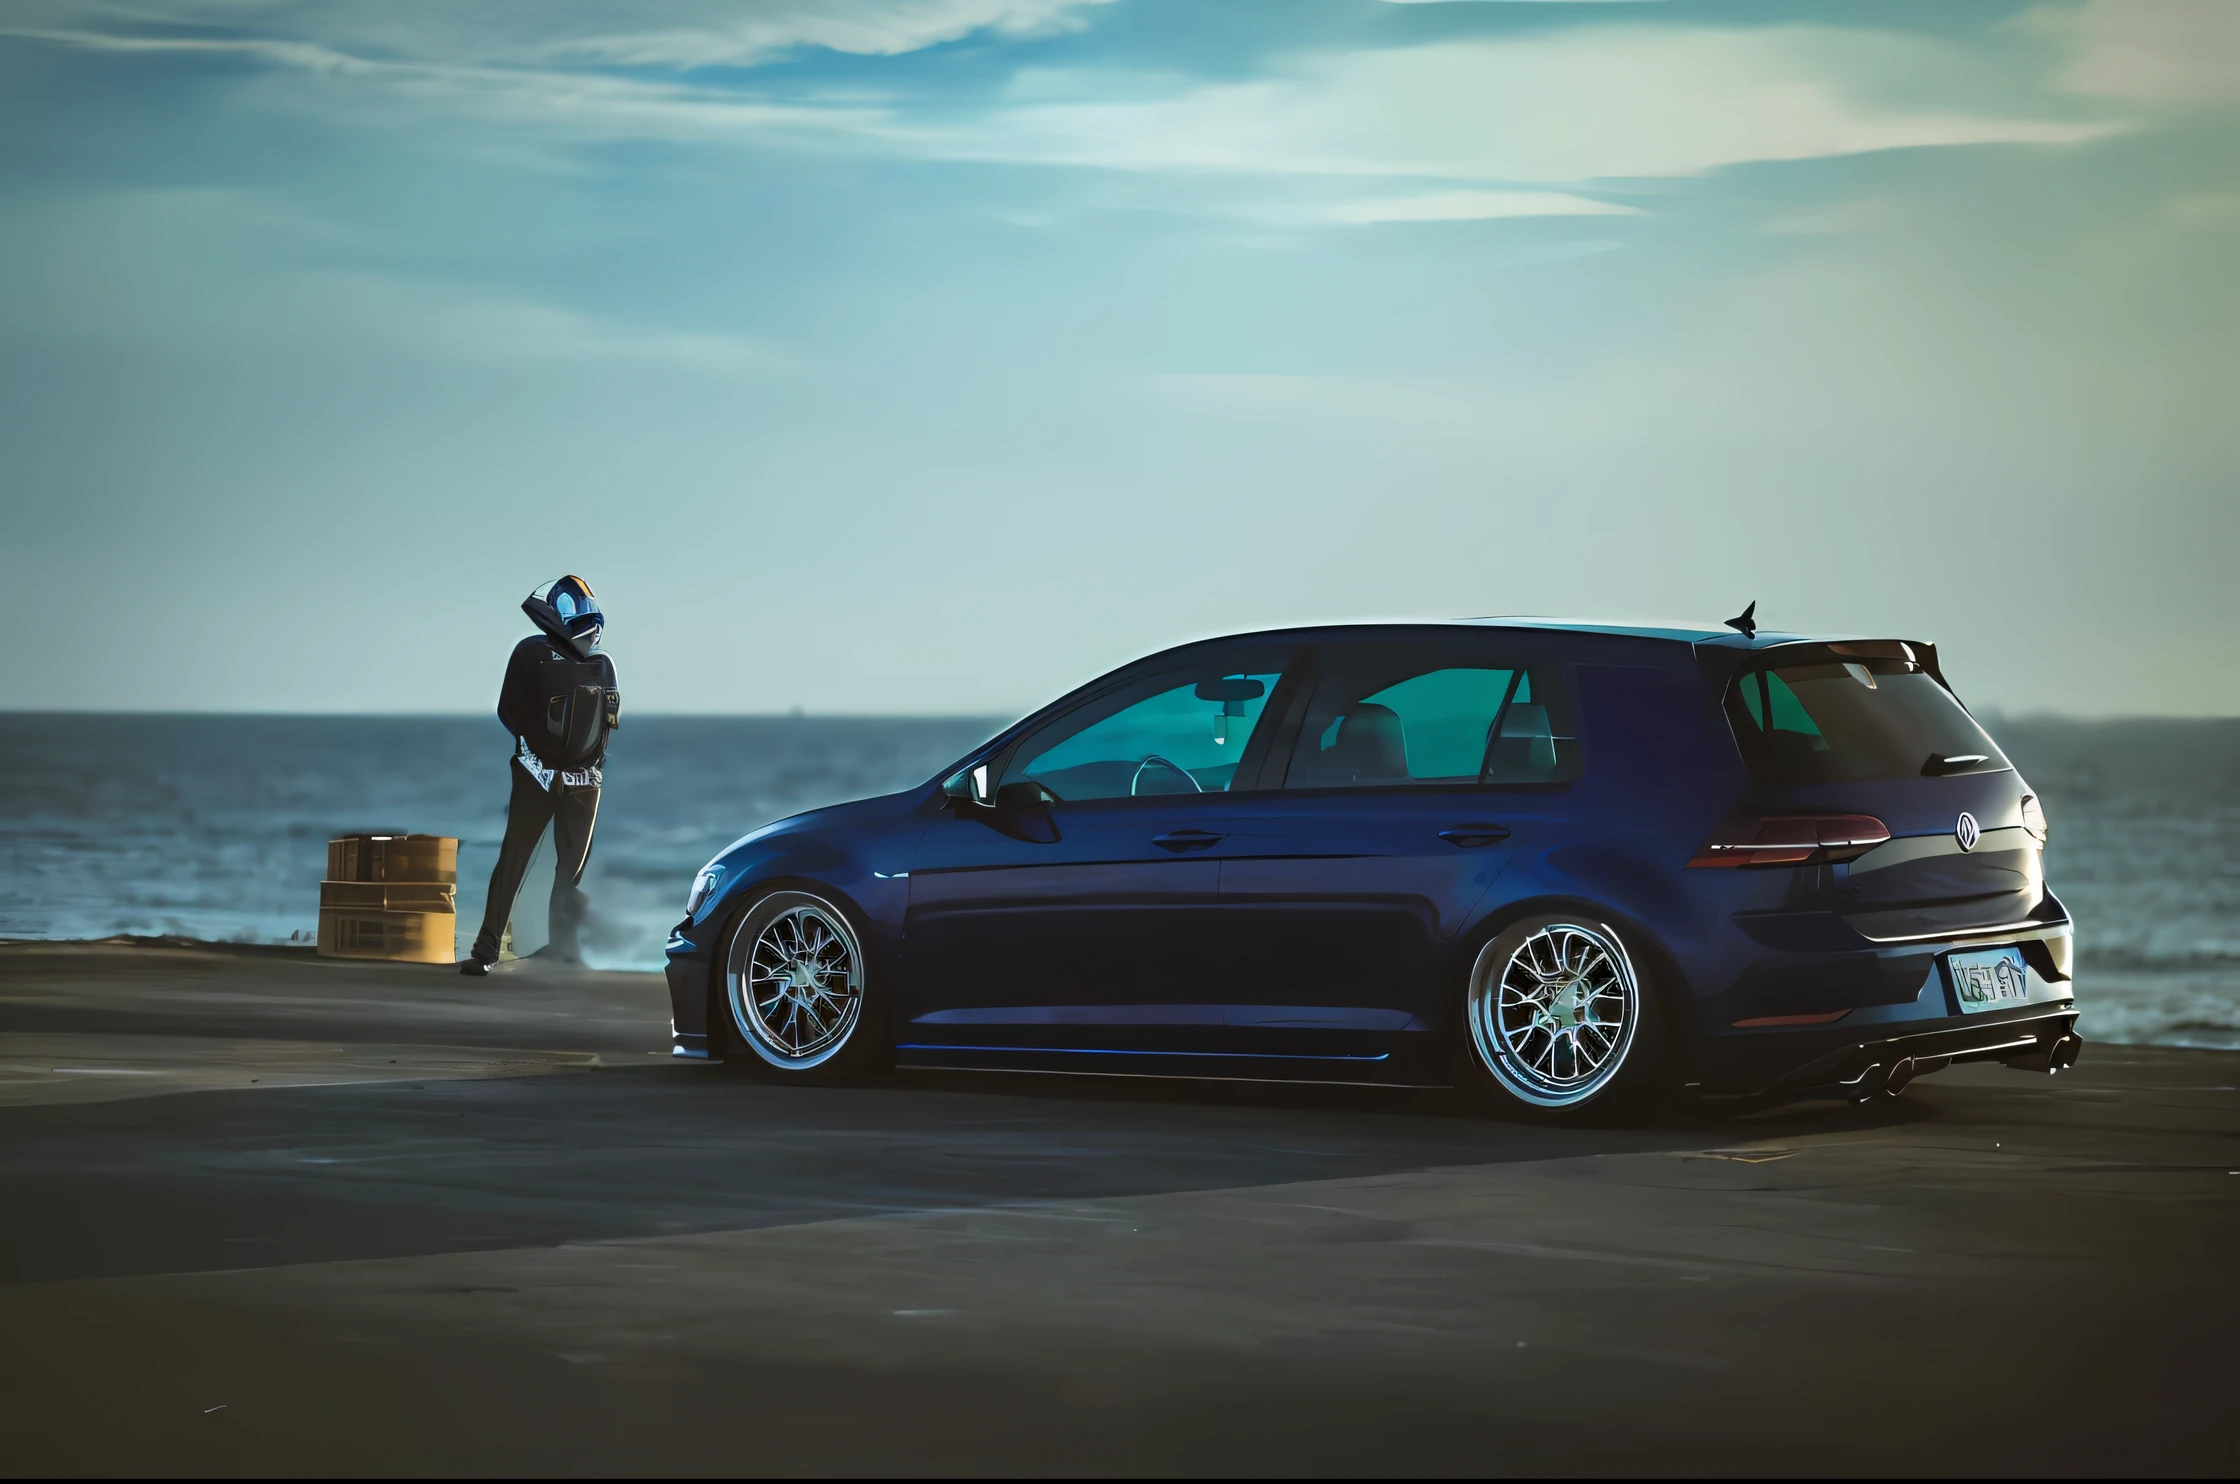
x,y
716,1015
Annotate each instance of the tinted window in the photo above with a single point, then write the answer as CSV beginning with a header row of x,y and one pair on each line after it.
x,y
1180,731
1392,715
1853,721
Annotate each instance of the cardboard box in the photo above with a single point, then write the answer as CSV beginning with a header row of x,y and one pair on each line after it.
x,y
388,896
402,937
391,897
420,858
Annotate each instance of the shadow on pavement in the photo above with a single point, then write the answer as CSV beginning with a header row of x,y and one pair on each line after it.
x,y
257,1179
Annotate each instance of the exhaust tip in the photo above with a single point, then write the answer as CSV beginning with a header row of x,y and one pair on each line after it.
x,y
2049,1056
1871,1080
1901,1075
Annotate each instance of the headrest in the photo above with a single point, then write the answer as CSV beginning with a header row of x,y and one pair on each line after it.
x,y
1526,720
1525,750
1371,747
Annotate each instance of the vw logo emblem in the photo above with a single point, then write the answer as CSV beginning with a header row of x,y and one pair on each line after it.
x,y
1967,831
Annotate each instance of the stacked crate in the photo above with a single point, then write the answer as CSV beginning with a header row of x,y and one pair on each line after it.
x,y
391,896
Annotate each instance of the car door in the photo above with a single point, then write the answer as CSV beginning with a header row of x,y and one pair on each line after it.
x,y
1408,774
1077,915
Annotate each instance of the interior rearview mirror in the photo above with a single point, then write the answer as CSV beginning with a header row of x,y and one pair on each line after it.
x,y
1232,691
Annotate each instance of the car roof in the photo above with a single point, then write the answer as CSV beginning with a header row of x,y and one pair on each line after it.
x,y
1680,630
1676,631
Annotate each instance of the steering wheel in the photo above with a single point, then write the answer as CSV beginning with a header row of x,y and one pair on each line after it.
x,y
1135,784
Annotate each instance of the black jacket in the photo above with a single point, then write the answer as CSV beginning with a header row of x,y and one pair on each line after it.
x,y
521,698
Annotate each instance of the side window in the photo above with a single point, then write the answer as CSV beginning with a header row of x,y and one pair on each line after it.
x,y
1179,732
1392,715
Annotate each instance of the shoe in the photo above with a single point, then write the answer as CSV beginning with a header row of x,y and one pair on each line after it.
x,y
474,968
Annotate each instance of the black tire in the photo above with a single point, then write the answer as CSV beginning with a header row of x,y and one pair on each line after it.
x,y
792,985
1592,1046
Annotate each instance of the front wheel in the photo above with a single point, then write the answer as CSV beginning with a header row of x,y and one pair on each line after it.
x,y
795,984
1559,1019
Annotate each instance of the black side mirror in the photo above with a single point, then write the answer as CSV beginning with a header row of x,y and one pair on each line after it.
x,y
1022,794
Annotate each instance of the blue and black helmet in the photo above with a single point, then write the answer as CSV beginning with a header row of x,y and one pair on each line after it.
x,y
579,611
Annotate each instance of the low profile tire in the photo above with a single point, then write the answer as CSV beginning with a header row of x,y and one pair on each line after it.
x,y
794,986
1559,1023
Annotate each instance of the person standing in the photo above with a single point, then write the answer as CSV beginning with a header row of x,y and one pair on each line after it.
x,y
560,702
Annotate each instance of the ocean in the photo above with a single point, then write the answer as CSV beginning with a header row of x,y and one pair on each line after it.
x,y
215,828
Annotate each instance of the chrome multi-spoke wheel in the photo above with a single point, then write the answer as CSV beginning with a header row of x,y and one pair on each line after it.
x,y
1554,1008
795,977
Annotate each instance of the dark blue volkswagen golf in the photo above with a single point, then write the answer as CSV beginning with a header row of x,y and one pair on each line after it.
x,y
1566,863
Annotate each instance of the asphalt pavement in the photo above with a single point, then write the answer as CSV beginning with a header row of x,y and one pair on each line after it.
x,y
266,1213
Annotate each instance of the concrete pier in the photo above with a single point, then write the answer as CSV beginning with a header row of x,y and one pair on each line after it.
x,y
265,1213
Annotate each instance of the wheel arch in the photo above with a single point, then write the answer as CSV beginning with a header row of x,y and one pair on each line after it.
x,y
1654,963
723,1032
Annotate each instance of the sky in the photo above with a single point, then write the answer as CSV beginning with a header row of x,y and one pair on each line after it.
x,y
939,355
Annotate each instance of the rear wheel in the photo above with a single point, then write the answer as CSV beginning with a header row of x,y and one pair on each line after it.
x,y
795,985
1559,1018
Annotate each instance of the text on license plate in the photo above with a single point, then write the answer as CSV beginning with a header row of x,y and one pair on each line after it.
x,y
1989,980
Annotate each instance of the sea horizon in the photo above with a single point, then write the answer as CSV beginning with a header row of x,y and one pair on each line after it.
x,y
212,827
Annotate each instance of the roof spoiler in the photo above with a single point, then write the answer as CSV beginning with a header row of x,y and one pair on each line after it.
x,y
1720,663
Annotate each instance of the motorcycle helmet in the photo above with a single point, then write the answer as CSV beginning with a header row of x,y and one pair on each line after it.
x,y
578,611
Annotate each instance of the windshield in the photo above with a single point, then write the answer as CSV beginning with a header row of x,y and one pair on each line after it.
x,y
1854,721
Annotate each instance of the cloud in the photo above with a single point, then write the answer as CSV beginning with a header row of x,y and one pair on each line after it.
x,y
1578,104
584,104
2206,209
1474,206
201,267
2148,51
1840,218
1549,108
459,324
700,35
681,34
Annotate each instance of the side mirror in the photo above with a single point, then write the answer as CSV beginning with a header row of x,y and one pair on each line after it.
x,y
979,786
1024,793
972,786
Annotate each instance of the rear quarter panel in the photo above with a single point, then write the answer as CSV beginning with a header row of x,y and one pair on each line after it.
x,y
1660,770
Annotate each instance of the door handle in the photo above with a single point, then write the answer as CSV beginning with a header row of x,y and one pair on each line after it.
x,y
1181,840
1470,835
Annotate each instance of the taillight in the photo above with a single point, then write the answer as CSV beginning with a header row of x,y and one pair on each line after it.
x,y
2034,817
1790,839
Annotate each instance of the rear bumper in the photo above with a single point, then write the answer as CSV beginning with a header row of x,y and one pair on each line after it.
x,y
1813,1023
2043,1039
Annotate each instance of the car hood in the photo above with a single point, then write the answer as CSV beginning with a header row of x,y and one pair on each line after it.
x,y
881,810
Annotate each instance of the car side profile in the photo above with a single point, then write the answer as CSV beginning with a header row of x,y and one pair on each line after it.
x,y
1562,863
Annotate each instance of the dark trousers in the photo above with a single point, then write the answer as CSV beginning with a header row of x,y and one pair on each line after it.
x,y
572,812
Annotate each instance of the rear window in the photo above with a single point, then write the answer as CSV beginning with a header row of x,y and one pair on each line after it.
x,y
1833,719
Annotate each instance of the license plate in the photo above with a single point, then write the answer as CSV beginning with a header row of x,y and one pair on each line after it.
x,y
1990,980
